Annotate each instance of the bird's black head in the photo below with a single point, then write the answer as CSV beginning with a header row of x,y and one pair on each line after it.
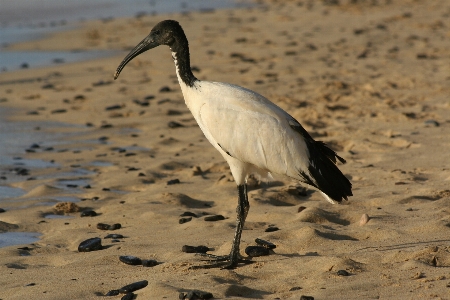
x,y
168,32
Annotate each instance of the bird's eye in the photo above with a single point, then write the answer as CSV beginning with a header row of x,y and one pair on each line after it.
x,y
157,32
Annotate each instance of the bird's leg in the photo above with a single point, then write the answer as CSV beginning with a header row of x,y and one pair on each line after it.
x,y
231,261
242,211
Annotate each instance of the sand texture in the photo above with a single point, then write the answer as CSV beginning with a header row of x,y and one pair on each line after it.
x,y
372,81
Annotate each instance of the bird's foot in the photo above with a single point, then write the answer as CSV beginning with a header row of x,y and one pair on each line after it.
x,y
222,261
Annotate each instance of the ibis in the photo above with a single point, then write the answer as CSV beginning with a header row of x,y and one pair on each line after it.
x,y
254,135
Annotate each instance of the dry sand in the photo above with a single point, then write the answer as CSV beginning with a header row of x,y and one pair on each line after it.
x,y
373,81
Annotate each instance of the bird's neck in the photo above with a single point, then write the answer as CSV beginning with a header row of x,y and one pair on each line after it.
x,y
180,55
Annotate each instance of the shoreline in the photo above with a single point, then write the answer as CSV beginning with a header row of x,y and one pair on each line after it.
x,y
384,110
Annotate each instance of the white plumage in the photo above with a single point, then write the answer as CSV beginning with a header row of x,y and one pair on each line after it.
x,y
254,135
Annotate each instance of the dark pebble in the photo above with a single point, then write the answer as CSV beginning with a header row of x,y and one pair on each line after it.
x,y
214,218
432,122
115,226
88,186
31,284
149,97
92,244
173,112
165,89
58,60
141,103
59,111
114,236
188,214
112,293
130,260
133,287
103,226
342,273
306,297
2,210
149,263
47,86
173,124
265,244
271,229
101,82
114,107
295,288
184,220
301,208
130,154
173,181
194,249
22,171
103,138
105,126
24,66
88,213
129,296
255,251
196,294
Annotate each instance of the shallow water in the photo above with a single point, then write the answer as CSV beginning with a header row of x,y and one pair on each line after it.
x,y
24,20
18,238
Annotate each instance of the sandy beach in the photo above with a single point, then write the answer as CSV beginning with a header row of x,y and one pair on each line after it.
x,y
370,80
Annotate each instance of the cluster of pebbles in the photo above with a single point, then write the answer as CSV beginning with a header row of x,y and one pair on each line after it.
x,y
261,248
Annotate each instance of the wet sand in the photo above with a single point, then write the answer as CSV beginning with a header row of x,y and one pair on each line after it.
x,y
371,81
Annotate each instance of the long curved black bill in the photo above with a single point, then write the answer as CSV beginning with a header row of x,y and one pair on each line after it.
x,y
146,44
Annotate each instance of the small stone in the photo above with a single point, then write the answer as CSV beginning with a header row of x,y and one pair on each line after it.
x,y
265,244
2,210
165,89
295,288
214,218
418,275
114,236
88,213
342,273
133,287
255,251
194,249
115,226
432,122
92,244
103,226
58,111
128,296
130,260
364,219
271,229
173,181
114,107
47,86
302,297
149,263
173,124
197,294
301,208
112,293
188,214
184,220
